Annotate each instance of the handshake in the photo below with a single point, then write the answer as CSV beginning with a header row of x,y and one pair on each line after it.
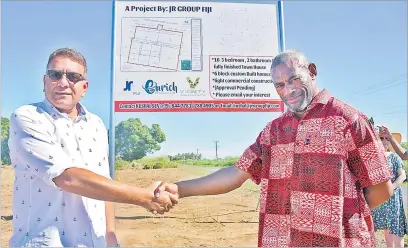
x,y
162,196
165,197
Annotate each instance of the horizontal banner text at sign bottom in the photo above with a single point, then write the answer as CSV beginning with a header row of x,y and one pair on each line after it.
x,y
200,106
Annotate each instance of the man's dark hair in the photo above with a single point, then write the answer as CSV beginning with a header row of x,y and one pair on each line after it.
x,y
71,54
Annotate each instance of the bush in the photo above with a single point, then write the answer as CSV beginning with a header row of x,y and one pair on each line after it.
x,y
146,163
156,163
121,164
225,162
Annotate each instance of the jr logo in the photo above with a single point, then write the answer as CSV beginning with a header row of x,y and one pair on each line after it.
x,y
128,86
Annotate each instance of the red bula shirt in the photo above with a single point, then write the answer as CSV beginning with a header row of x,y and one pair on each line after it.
x,y
312,172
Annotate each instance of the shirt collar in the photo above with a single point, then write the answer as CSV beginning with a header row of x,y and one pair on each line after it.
x,y
321,98
83,112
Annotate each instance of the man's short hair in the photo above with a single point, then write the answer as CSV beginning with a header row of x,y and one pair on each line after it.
x,y
69,53
290,56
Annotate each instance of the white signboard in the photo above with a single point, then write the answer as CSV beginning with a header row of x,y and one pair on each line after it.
x,y
190,56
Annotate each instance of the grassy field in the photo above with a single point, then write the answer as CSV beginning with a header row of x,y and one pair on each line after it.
x,y
165,162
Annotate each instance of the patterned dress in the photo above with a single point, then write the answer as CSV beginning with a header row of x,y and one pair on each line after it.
x,y
390,215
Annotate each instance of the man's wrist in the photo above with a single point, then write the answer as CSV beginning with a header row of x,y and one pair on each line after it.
x,y
180,190
145,198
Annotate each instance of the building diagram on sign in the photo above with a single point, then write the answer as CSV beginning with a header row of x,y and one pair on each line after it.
x,y
161,44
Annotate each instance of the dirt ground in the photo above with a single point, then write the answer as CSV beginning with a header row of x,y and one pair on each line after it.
x,y
229,220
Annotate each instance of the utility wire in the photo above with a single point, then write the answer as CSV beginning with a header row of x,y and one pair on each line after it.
x,y
371,87
383,88
395,112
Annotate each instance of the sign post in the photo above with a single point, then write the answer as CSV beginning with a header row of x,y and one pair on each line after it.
x,y
194,57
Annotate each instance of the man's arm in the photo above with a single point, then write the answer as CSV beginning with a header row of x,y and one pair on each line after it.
x,y
395,145
378,194
86,183
34,147
219,182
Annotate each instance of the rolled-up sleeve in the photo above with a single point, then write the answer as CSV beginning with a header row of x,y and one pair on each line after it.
x,y
33,146
251,160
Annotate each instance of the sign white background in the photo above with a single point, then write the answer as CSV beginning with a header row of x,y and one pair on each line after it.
x,y
230,29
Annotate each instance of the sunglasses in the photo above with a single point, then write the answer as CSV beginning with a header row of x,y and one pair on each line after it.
x,y
73,77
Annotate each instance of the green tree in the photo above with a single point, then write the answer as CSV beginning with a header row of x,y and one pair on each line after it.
x,y
5,125
134,140
185,156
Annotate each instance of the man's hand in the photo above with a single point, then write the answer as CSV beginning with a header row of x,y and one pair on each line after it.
x,y
163,202
168,187
111,239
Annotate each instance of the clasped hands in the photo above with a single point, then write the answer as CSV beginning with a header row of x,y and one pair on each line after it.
x,y
165,197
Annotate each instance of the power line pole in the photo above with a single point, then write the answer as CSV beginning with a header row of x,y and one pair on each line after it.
x,y
197,152
216,149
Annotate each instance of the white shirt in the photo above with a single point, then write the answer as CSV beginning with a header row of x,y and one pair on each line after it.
x,y
43,143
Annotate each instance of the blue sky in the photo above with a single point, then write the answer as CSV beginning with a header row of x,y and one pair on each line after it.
x,y
359,47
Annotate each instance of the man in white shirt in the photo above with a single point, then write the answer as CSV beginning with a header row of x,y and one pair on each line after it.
x,y
63,194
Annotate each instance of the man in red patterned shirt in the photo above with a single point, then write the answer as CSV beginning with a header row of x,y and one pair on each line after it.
x,y
320,165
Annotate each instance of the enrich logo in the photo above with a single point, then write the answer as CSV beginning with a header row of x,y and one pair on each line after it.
x,y
193,84
152,87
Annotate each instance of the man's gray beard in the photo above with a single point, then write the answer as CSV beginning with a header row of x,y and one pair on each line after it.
x,y
301,108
